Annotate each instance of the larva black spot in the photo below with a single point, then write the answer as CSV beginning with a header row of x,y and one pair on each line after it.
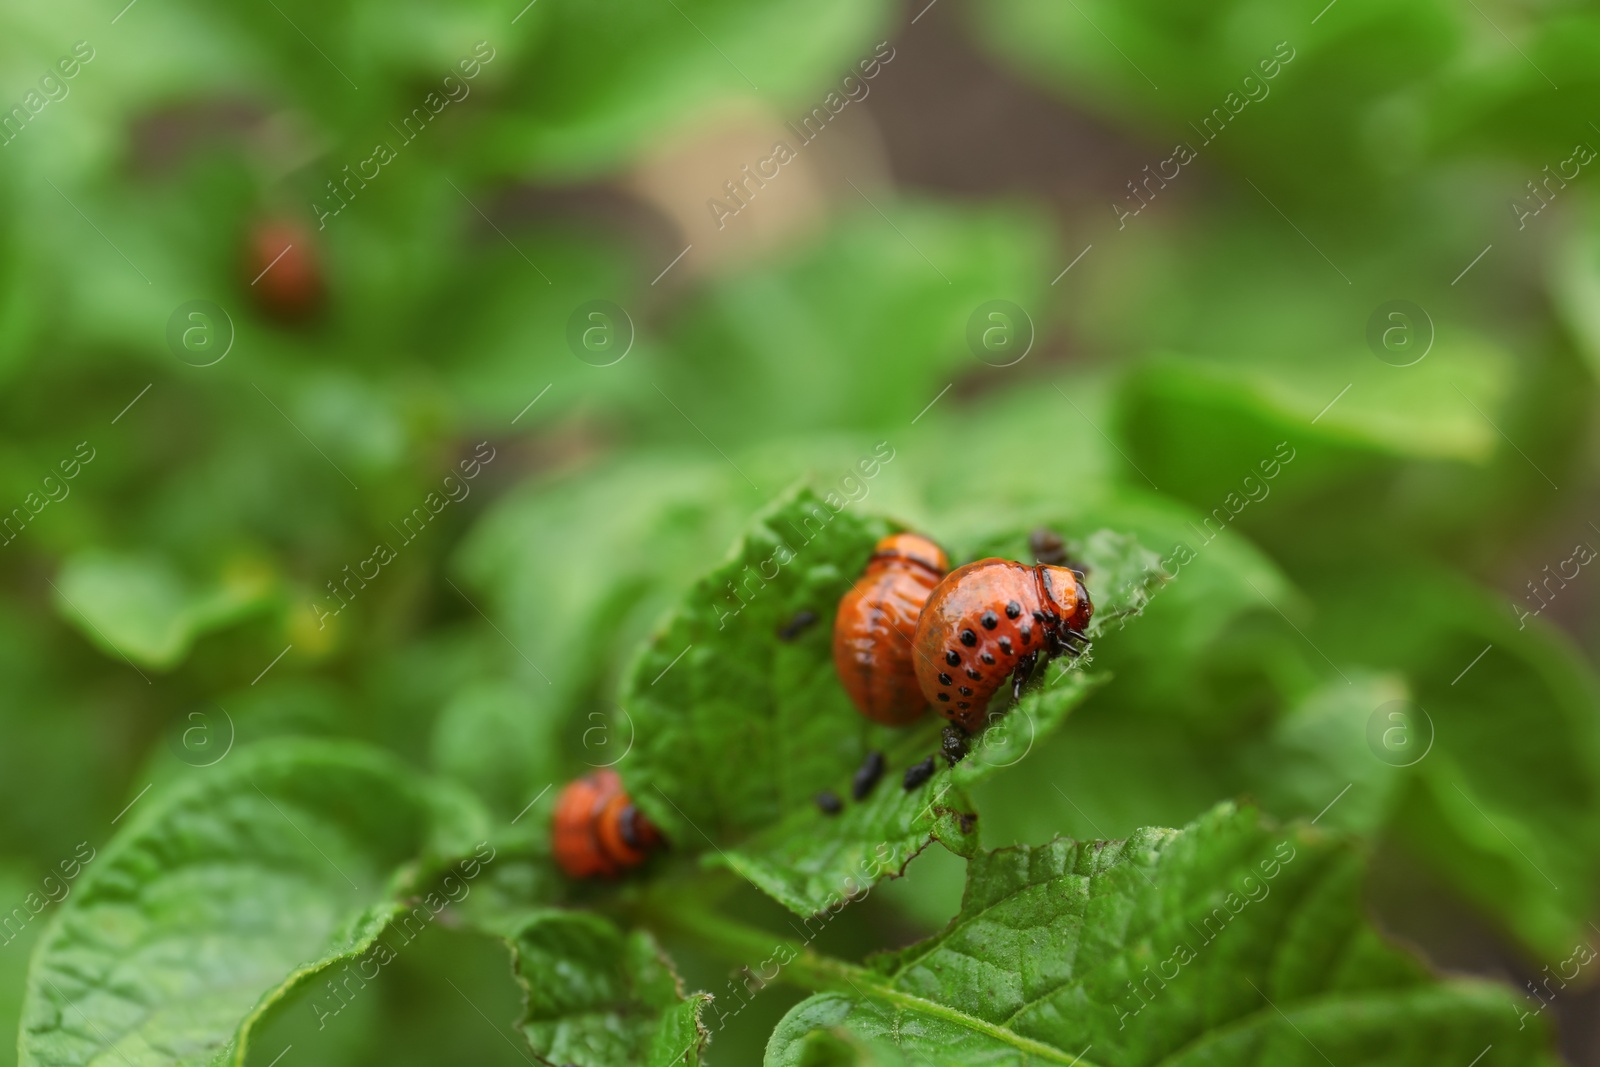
x,y
969,638
1013,609
1005,645
952,657
989,620
975,675
945,697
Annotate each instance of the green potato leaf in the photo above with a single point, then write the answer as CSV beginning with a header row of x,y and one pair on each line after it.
x,y
603,998
597,82
219,896
140,608
1435,411
1499,731
492,738
894,298
576,567
739,729
1230,941
1163,66
1322,759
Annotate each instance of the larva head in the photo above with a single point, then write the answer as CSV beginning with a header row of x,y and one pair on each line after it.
x,y
625,834
1066,596
911,548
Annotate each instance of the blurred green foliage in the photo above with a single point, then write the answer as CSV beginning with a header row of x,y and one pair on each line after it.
x,y
171,600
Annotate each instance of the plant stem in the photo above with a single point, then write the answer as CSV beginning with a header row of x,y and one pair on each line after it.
x,y
759,951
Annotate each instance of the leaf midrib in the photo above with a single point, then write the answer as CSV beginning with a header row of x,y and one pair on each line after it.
x,y
1004,1034
1175,1058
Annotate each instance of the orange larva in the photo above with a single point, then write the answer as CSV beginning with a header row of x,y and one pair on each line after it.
x,y
598,831
877,619
283,270
991,619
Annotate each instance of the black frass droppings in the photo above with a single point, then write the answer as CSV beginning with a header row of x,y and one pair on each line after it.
x,y
829,802
792,629
918,773
867,775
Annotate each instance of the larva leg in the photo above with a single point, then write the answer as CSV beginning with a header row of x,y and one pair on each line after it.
x,y
1024,670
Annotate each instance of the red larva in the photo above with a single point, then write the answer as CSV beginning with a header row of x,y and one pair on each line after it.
x,y
989,619
282,270
598,831
877,619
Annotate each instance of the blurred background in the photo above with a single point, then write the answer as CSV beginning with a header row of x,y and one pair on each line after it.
x,y
1306,296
